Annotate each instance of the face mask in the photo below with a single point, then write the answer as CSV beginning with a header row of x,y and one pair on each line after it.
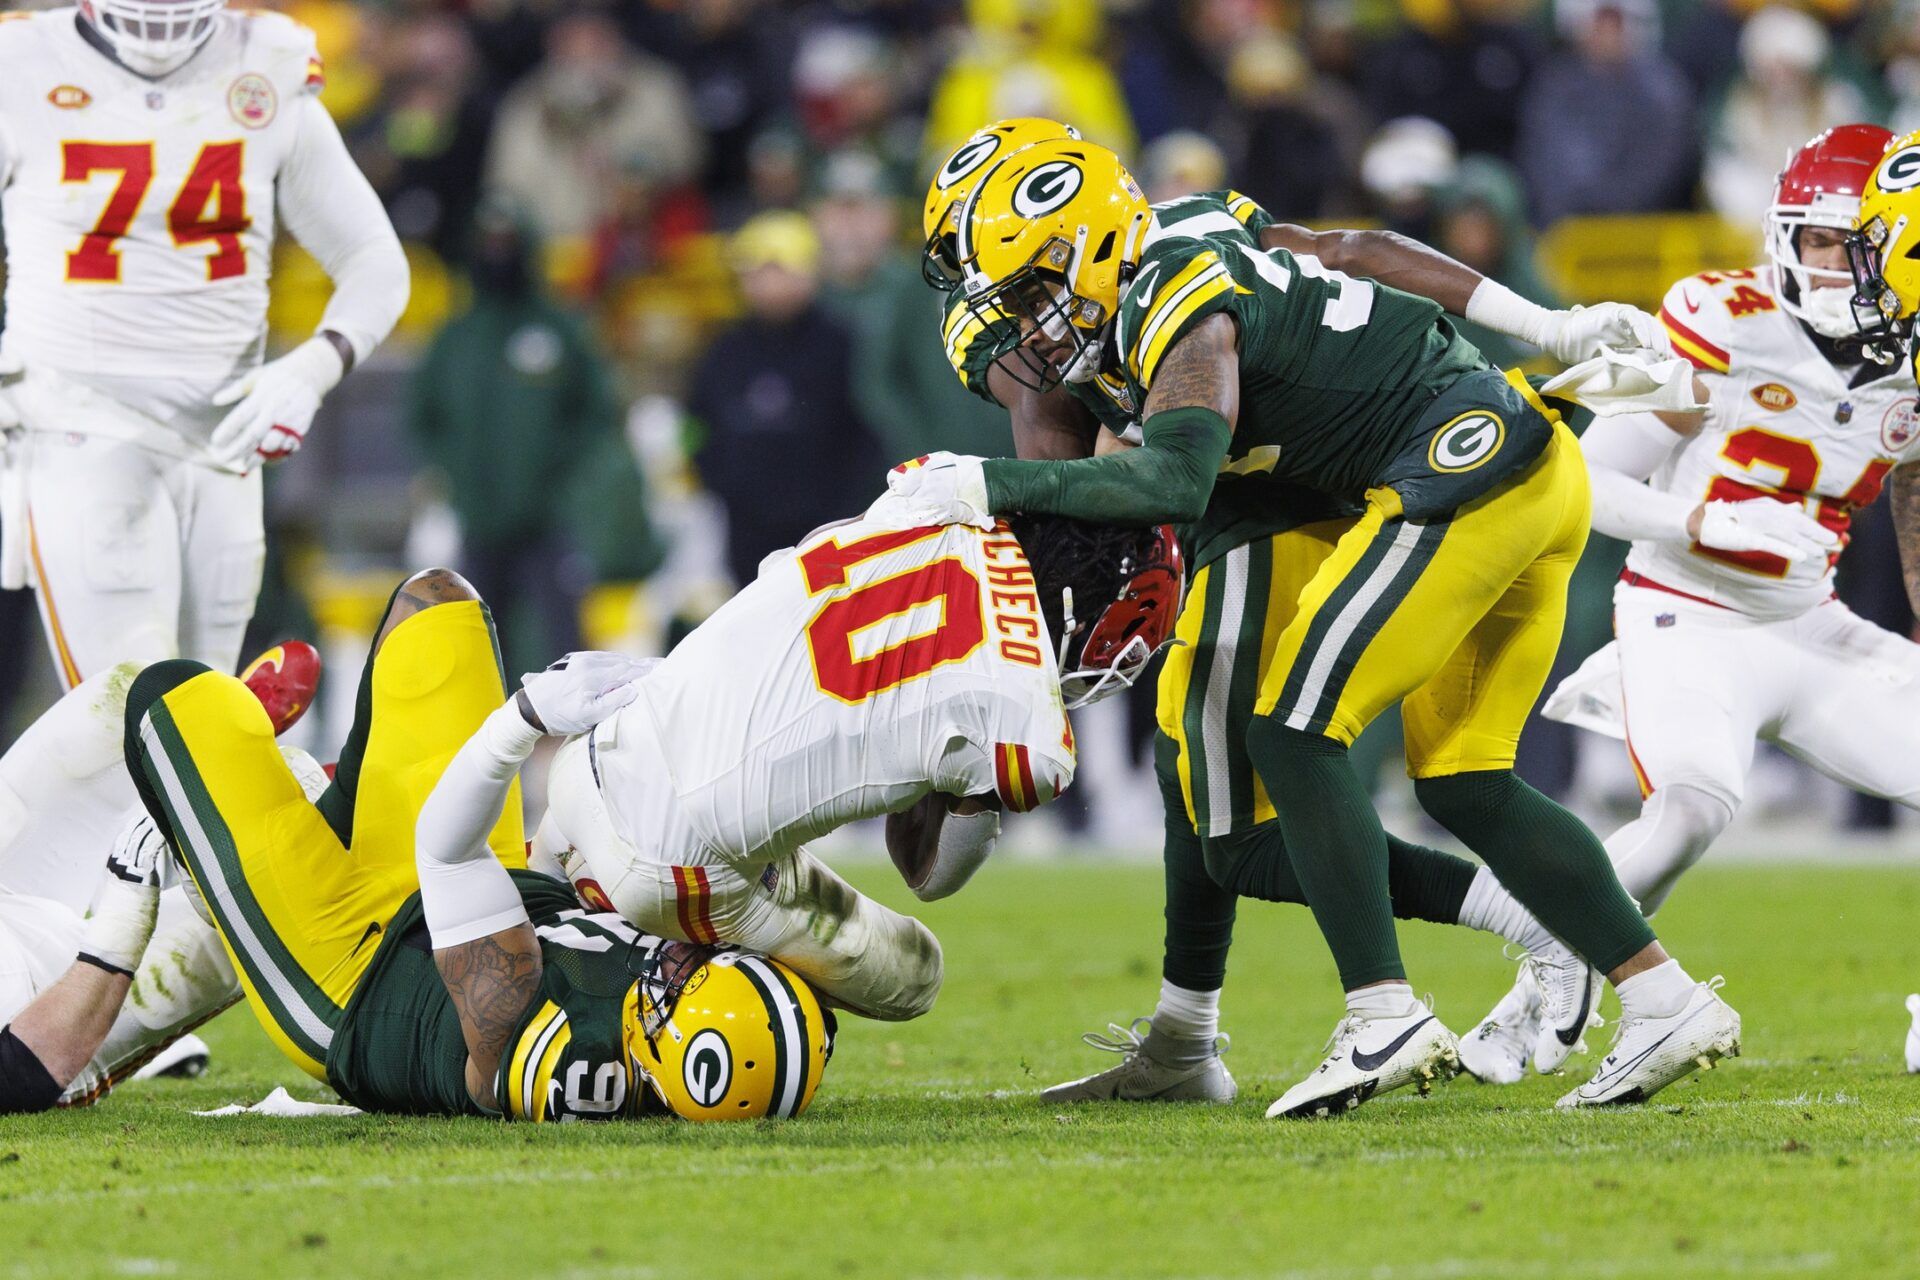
x,y
1829,312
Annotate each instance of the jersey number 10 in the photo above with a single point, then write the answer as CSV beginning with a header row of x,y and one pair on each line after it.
x,y
945,584
211,207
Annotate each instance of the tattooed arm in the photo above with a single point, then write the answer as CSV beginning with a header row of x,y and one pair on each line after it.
x,y
1905,497
1190,415
493,981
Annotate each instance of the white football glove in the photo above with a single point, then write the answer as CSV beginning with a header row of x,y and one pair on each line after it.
x,y
273,406
1761,524
942,488
1579,333
582,689
121,923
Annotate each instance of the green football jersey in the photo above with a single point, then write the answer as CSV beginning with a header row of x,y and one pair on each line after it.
x,y
399,1047
1247,504
1337,373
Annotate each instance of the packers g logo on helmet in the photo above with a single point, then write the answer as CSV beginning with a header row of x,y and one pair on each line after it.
x,y
1884,251
1045,239
728,1035
950,186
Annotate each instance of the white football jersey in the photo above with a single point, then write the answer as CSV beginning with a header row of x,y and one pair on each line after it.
x,y
860,670
140,215
1782,423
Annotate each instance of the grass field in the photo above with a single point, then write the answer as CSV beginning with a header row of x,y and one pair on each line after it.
x,y
924,1156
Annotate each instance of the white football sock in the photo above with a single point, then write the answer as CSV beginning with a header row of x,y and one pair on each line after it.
x,y
1488,906
1189,1015
1659,992
1387,1000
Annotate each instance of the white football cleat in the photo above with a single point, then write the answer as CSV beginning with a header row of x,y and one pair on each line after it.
x,y
1141,1077
1497,1051
1569,1004
184,1059
1367,1056
1651,1053
1913,1035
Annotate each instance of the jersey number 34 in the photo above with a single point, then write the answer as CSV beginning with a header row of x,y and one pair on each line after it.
x,y
211,207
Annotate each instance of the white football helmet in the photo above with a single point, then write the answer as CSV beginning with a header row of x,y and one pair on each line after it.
x,y
153,37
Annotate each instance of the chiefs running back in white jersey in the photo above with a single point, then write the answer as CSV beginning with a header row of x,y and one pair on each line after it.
x,y
1783,423
859,671
140,214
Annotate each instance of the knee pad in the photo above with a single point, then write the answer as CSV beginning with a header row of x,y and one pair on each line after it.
x,y
1687,818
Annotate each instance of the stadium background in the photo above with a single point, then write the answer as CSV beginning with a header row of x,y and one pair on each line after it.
x,y
667,315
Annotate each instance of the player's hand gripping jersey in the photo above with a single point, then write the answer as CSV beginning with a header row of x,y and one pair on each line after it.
x,y
140,215
860,670
1783,424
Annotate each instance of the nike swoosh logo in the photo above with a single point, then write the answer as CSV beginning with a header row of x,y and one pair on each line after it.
x,y
1571,1033
1691,305
373,931
1639,1057
1369,1061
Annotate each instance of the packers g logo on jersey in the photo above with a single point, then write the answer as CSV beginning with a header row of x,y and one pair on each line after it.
x,y
1467,441
1047,188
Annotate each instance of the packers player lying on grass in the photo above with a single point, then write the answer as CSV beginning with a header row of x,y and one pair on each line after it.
x,y
365,960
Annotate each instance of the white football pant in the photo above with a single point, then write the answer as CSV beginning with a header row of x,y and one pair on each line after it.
x,y
1701,685
859,955
138,556
64,795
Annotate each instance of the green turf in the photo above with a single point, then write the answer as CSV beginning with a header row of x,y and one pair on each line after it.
x,y
923,1157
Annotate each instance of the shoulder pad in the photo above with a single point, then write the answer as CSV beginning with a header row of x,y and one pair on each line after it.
x,y
289,49
1180,282
1701,314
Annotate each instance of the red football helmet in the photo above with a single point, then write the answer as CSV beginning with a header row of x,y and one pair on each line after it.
x,y
1122,637
1820,187
284,678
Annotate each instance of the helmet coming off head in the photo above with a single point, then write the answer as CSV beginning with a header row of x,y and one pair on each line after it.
x,y
1046,239
1109,596
1884,249
1816,201
955,179
728,1035
152,37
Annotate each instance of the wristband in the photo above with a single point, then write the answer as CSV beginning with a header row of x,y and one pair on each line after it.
x,y
1496,307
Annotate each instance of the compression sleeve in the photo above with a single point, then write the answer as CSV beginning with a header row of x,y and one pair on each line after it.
x,y
331,209
464,891
1169,478
1621,452
25,1082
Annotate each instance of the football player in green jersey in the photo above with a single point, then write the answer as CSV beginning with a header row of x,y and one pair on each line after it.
x,y
1254,552
436,975
1448,592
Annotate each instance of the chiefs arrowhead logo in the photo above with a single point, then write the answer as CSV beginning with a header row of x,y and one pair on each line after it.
x,y
1774,397
69,97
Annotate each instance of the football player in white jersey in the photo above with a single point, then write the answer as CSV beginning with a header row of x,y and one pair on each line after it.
x,y
102,978
149,152
1728,629
920,672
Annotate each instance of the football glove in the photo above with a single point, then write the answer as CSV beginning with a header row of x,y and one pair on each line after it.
x,y
1580,333
1761,524
942,488
121,923
579,691
273,406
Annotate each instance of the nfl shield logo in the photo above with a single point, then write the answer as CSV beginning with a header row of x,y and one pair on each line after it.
x,y
1663,620
156,100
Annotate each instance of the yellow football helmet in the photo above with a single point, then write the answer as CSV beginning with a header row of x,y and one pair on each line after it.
x,y
729,1035
951,184
1884,250
1046,238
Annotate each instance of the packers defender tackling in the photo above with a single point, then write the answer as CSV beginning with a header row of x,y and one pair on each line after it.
x,y
1448,592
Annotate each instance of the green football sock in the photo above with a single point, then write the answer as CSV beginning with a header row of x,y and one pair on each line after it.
x,y
1336,844
1425,884
1199,912
1546,858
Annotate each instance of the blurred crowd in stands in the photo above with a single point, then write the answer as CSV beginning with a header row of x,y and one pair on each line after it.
x,y
667,312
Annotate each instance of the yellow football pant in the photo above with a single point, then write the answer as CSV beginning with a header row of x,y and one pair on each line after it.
x,y
301,912
1460,619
